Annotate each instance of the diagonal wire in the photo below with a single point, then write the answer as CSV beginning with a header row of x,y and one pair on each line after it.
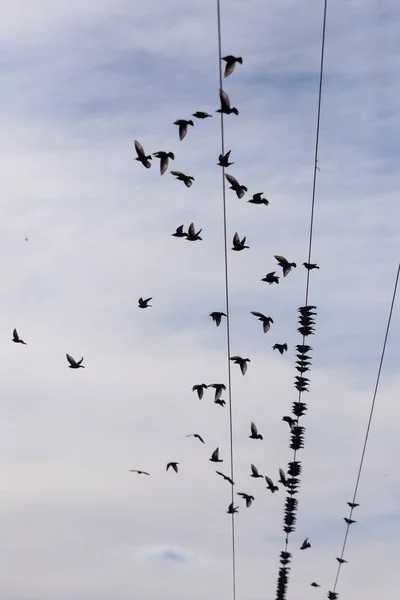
x,y
228,337
369,422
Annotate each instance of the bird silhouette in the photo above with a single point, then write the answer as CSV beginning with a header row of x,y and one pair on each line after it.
x,y
192,234
353,504
144,303
232,509
256,199
187,179
238,244
249,499
239,189
139,472
226,104
164,159
285,264
218,387
179,232
341,561
215,456
73,364
201,115
271,278
183,125
316,585
216,317
223,160
254,433
310,266
254,472
349,521
306,544
174,465
281,347
197,436
141,155
230,63
228,479
270,484
291,422
266,321
242,362
199,388
17,339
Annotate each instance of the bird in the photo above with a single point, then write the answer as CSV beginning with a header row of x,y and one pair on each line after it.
x,y
144,303
281,347
341,561
235,186
183,125
218,387
316,585
201,115
164,156
238,244
187,179
266,321
349,521
306,544
230,63
271,278
291,422
26,239
73,364
310,266
220,402
226,477
199,388
223,160
256,199
192,235
17,339
141,155
216,317
282,477
196,435
179,232
254,472
270,484
242,362
226,104
174,465
285,264
353,504
215,456
249,499
254,433
232,509
139,472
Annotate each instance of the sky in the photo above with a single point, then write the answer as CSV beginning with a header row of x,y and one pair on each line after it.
x,y
80,82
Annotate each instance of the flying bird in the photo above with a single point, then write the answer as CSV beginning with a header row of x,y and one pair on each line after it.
x,y
17,339
174,465
228,479
242,362
144,303
183,125
192,235
266,321
291,422
216,317
218,387
270,484
256,199
316,585
226,104
271,278
353,504
349,521
215,456
238,244
285,264
232,509
201,115
164,156
199,388
281,347
254,472
235,186
141,155
341,561
249,499
139,472
179,232
73,364
197,436
310,266
223,160
254,433
306,544
230,63
187,179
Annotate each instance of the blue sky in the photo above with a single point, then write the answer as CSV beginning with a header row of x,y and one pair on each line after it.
x,y
81,81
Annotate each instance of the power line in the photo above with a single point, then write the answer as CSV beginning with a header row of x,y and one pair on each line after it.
x,y
368,426
228,338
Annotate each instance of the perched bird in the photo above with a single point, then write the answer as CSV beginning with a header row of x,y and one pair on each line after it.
x,y
183,125
353,504
220,402
239,244
349,521
218,387
249,499
232,509
17,339
73,364
341,561
270,484
139,472
196,435
141,155
235,186
144,303
201,115
192,235
291,422
306,544
254,472
282,477
174,465
199,388
303,348
187,179
310,266
256,199
266,321
225,477
285,264
179,232
223,160
271,278
230,63
242,362
316,585
281,347
215,456
164,156
254,433
216,317
226,104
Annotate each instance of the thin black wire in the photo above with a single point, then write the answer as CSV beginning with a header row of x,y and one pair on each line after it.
x,y
321,75
369,422
228,337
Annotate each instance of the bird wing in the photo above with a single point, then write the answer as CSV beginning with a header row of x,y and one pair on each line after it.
x,y
80,361
269,481
164,164
176,173
139,149
179,229
215,454
182,130
236,239
175,467
257,314
254,469
224,98
148,299
266,326
253,429
15,335
232,180
280,259
199,437
71,360
191,230
230,66
282,475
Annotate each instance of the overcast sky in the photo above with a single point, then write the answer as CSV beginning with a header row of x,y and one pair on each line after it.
x,y
80,81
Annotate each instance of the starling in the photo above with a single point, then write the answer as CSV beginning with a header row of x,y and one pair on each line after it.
x,y
271,486
179,232
197,436
228,479
249,499
281,347
139,472
341,561
215,456
187,179
232,509
17,339
254,472
239,244
226,104
192,235
223,160
141,155
349,521
235,186
316,585
306,544
164,156
266,321
216,317
256,199
285,264
73,364
201,115
242,362
271,278
174,465
183,125
291,422
254,433
310,266
144,303
230,63
353,504
199,388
